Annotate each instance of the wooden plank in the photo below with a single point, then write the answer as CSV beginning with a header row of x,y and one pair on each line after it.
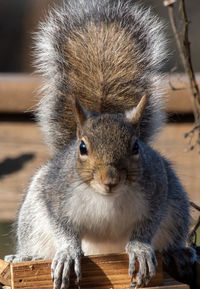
x,y
170,283
31,275
5,277
20,141
18,93
172,144
100,271
22,152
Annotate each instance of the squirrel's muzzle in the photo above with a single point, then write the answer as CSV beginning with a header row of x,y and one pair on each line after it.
x,y
108,178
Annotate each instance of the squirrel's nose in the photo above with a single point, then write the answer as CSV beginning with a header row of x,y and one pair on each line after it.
x,y
110,184
109,178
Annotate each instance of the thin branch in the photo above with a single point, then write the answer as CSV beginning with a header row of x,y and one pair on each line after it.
x,y
176,34
192,239
193,83
192,131
195,206
189,67
184,50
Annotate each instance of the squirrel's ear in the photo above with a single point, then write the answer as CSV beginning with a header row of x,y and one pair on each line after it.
x,y
80,113
135,115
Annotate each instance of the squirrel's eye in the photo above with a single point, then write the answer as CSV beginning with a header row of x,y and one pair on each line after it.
x,y
135,149
83,148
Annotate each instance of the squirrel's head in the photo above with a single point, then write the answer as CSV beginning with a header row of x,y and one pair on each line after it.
x,y
108,147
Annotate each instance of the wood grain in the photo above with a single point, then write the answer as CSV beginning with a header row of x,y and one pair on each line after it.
x,y
19,140
22,152
168,282
18,92
5,277
98,272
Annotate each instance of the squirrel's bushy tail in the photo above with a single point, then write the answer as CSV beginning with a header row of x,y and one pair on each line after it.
x,y
107,53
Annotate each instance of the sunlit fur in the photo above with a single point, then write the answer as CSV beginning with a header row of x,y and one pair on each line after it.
x,y
108,54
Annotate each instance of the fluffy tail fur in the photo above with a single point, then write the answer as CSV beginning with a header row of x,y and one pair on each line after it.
x,y
107,53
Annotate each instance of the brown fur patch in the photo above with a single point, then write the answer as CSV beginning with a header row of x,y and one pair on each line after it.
x,y
101,67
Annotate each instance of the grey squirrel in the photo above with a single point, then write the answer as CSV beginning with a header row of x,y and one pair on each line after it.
x,y
105,189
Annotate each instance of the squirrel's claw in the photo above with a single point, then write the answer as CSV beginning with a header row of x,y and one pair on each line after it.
x,y
77,269
145,255
66,275
61,266
132,261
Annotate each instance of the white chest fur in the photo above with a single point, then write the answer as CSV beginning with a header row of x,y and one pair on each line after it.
x,y
106,222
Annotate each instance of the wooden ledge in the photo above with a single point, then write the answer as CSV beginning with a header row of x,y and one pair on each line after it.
x,y
18,92
101,271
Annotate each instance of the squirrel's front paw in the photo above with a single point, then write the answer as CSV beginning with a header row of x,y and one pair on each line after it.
x,y
61,265
144,254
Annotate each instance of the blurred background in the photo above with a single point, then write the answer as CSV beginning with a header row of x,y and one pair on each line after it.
x,y
22,149
19,20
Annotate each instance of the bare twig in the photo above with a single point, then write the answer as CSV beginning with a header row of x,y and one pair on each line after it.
x,y
192,238
193,83
183,46
195,206
192,131
189,67
176,34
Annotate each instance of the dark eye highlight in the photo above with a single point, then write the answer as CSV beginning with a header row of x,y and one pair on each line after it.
x,y
135,149
83,148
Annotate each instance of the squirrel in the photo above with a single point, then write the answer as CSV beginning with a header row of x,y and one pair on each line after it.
x,y
105,189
